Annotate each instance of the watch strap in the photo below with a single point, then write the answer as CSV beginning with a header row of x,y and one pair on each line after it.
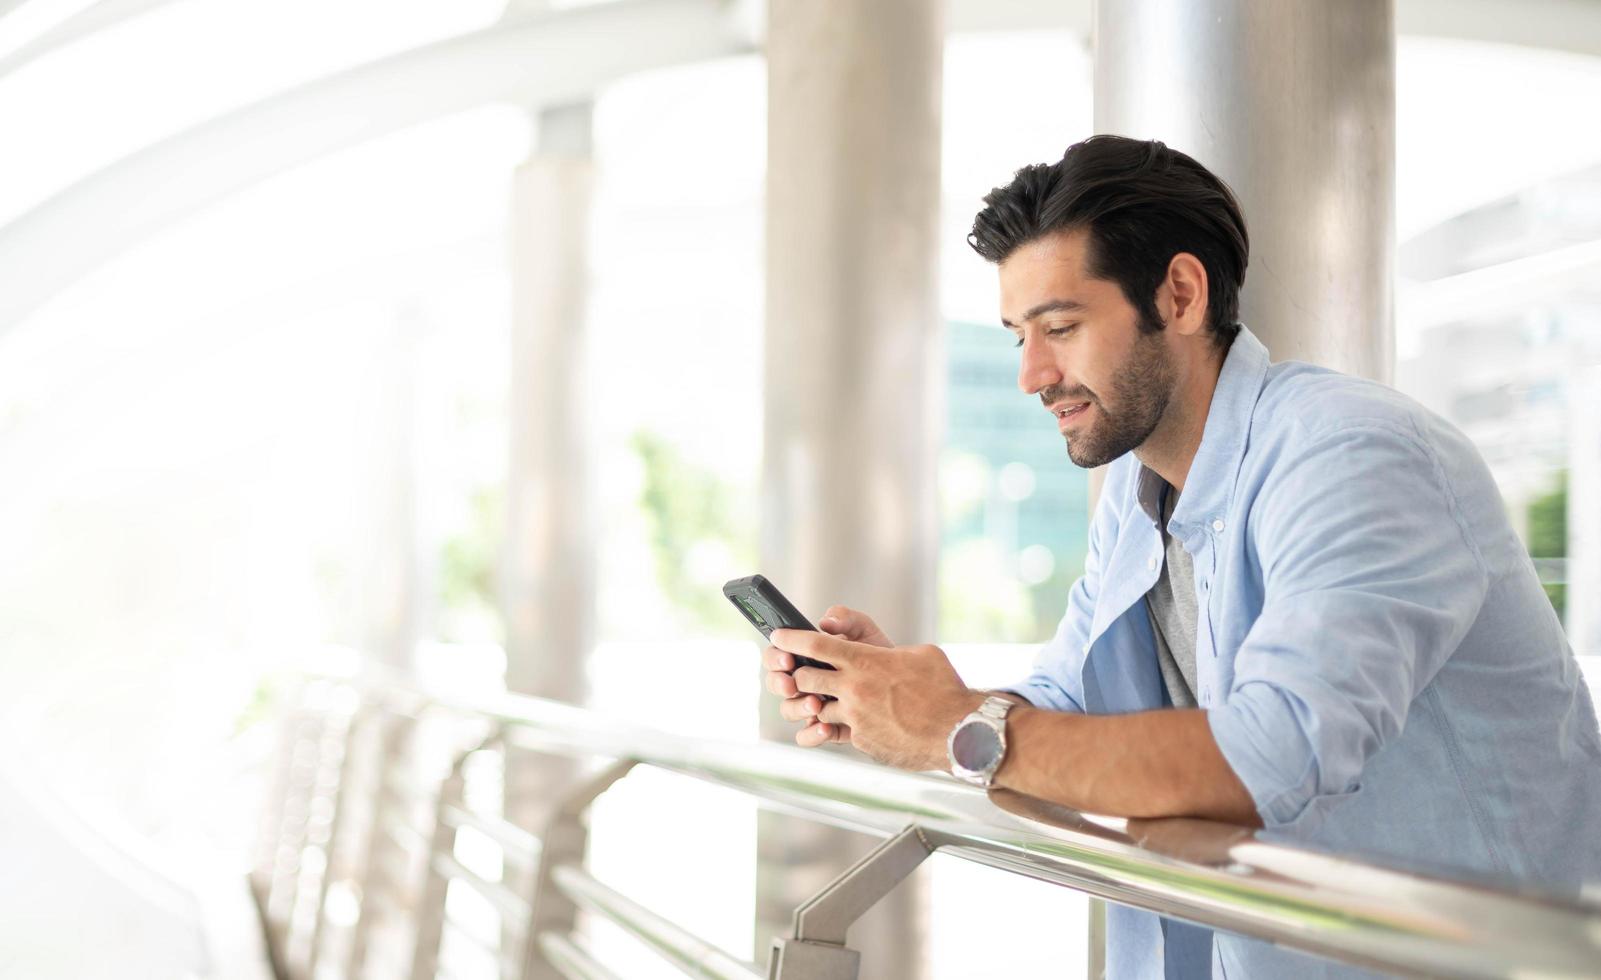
x,y
996,706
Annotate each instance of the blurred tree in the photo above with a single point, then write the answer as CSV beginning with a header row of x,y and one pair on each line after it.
x,y
702,534
468,565
1548,534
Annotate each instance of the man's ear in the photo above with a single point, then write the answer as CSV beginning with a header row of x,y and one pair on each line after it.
x,y
1186,287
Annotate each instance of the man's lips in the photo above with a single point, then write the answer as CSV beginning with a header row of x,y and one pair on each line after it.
x,y
1067,412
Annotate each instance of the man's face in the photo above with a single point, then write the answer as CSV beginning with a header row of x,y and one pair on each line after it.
x,y
1107,382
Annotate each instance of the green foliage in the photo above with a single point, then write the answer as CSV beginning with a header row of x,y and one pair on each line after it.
x,y
266,702
1548,534
701,534
467,570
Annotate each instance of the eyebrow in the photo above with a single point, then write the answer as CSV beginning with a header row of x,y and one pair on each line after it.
x,y
1049,306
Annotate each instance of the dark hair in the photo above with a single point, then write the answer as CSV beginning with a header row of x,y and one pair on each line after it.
x,y
1142,203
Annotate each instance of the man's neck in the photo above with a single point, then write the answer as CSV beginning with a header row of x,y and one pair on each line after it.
x,y
1171,448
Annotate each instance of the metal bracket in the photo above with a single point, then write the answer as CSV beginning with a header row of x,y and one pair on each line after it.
x,y
430,922
565,838
818,951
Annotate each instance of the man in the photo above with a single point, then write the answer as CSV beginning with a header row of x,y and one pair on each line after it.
x,y
1302,608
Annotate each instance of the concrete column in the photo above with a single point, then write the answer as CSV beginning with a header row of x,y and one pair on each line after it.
x,y
390,580
1293,104
548,580
854,374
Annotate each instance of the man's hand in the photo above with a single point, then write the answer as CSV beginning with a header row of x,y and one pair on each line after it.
x,y
839,621
897,704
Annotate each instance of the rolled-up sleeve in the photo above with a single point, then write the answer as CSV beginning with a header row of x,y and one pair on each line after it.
x,y
1371,580
1052,682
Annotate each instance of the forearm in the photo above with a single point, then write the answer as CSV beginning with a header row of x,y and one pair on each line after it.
x,y
1148,764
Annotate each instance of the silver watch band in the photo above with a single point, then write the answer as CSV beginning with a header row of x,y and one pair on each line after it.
x,y
996,706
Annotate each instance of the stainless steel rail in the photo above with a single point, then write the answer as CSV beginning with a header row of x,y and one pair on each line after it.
x,y
1226,877
694,956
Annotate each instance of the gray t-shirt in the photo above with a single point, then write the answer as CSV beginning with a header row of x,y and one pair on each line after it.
x,y
1173,611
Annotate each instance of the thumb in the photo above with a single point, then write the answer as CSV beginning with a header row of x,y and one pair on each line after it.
x,y
841,621
852,625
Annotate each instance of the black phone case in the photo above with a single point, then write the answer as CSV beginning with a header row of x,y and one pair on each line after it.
x,y
765,608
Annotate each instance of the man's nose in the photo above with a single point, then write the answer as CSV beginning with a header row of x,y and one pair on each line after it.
x,y
1037,370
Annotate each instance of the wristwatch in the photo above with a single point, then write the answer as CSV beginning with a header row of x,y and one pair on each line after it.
x,y
977,744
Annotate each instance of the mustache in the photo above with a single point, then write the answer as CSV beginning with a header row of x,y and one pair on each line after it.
x,y
1057,393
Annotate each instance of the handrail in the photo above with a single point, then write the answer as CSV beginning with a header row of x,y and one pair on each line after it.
x,y
1227,877
573,961
1214,874
690,954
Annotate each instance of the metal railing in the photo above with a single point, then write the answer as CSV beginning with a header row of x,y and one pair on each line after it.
x,y
359,851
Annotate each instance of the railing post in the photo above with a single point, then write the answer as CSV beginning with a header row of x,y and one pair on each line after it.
x,y
431,906
1095,943
278,859
564,841
817,951
277,804
354,729
315,783
392,748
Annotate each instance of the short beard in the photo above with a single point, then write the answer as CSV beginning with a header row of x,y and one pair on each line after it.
x,y
1141,389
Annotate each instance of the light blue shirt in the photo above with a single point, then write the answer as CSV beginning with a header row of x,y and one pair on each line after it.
x,y
1378,661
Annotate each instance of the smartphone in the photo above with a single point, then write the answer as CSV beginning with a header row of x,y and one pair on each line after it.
x,y
767,609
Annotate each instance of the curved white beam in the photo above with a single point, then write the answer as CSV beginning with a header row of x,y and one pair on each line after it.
x,y
9,7
564,57
1561,25
552,59
1503,288
92,19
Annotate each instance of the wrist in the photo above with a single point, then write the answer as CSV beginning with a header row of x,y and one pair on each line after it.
x,y
944,721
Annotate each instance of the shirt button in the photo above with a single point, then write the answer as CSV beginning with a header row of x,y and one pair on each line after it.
x,y
1086,649
1217,525
1150,563
1203,585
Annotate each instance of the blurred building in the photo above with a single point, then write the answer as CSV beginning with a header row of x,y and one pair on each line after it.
x,y
1009,483
1500,337
1504,373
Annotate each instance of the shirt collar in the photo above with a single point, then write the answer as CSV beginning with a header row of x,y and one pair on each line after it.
x,y
1148,491
1209,488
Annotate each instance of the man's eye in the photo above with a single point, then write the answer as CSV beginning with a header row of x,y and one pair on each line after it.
x,y
1059,331
1019,342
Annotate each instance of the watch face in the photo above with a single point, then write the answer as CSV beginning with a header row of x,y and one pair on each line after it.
x,y
976,746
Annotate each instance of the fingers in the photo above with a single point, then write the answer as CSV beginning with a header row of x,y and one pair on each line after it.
x,y
822,732
816,680
778,663
838,620
803,708
832,650
781,684
812,736
775,659
852,625
845,621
